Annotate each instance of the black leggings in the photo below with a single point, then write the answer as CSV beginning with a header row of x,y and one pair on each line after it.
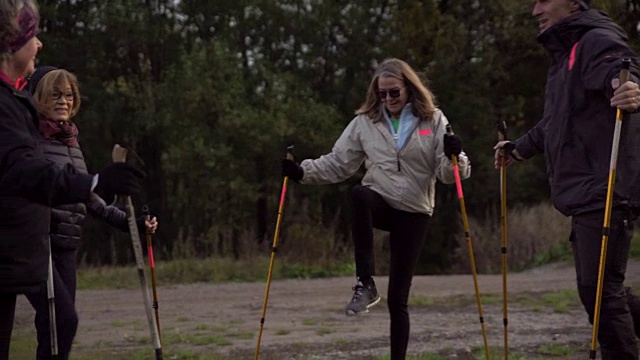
x,y
407,234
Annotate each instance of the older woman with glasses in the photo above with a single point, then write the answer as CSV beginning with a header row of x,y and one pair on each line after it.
x,y
400,136
57,99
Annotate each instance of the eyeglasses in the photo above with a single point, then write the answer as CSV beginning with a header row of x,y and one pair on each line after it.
x,y
393,93
69,95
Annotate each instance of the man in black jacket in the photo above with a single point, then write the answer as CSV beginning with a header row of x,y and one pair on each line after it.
x,y
576,136
29,183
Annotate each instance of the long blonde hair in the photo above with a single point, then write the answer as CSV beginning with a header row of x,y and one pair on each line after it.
x,y
9,26
420,96
44,90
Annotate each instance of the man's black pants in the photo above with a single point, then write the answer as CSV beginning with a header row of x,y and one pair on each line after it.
x,y
616,331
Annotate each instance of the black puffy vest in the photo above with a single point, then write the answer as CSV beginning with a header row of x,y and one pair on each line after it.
x,y
66,220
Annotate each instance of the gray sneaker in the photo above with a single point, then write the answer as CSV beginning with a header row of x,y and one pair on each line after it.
x,y
364,297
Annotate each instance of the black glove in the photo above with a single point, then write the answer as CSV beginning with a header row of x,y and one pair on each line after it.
x,y
452,145
508,148
292,169
118,179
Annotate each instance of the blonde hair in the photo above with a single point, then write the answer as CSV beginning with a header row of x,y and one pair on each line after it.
x,y
45,88
9,26
420,96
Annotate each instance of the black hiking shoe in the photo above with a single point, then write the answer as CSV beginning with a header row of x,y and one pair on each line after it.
x,y
364,297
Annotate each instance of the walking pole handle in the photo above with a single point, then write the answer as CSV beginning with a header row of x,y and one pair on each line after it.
x,y
624,73
290,152
146,214
119,154
502,130
449,130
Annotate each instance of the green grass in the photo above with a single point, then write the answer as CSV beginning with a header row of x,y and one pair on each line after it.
x,y
556,350
309,322
324,331
430,356
421,300
23,345
217,270
145,354
179,337
496,353
557,301
635,246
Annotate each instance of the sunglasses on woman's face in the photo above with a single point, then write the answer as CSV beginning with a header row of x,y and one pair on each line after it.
x,y
393,93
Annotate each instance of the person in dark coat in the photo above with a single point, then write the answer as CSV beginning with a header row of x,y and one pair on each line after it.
x,y
582,95
57,98
29,183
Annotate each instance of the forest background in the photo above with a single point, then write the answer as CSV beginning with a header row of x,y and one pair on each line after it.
x,y
210,93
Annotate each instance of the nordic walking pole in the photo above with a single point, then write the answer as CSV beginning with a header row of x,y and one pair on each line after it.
x,y
53,330
119,154
152,267
502,135
465,222
624,77
274,249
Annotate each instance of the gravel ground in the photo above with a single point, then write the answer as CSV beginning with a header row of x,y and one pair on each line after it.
x,y
305,318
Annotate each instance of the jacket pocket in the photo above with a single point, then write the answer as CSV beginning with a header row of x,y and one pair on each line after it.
x,y
573,183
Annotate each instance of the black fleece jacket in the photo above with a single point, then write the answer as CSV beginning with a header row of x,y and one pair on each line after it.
x,y
29,184
576,131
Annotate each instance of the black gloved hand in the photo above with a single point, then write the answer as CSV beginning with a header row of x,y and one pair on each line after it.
x,y
509,148
452,145
118,179
292,169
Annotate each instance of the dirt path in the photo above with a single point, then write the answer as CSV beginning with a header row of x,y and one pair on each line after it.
x,y
305,318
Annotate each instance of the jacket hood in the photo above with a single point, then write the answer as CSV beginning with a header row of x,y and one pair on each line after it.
x,y
563,35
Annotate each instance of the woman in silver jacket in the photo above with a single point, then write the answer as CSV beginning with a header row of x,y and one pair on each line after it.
x,y
400,136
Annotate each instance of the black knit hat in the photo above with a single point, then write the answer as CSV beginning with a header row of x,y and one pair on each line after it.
x,y
37,75
584,4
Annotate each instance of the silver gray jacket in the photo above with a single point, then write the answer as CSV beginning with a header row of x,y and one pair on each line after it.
x,y
405,178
